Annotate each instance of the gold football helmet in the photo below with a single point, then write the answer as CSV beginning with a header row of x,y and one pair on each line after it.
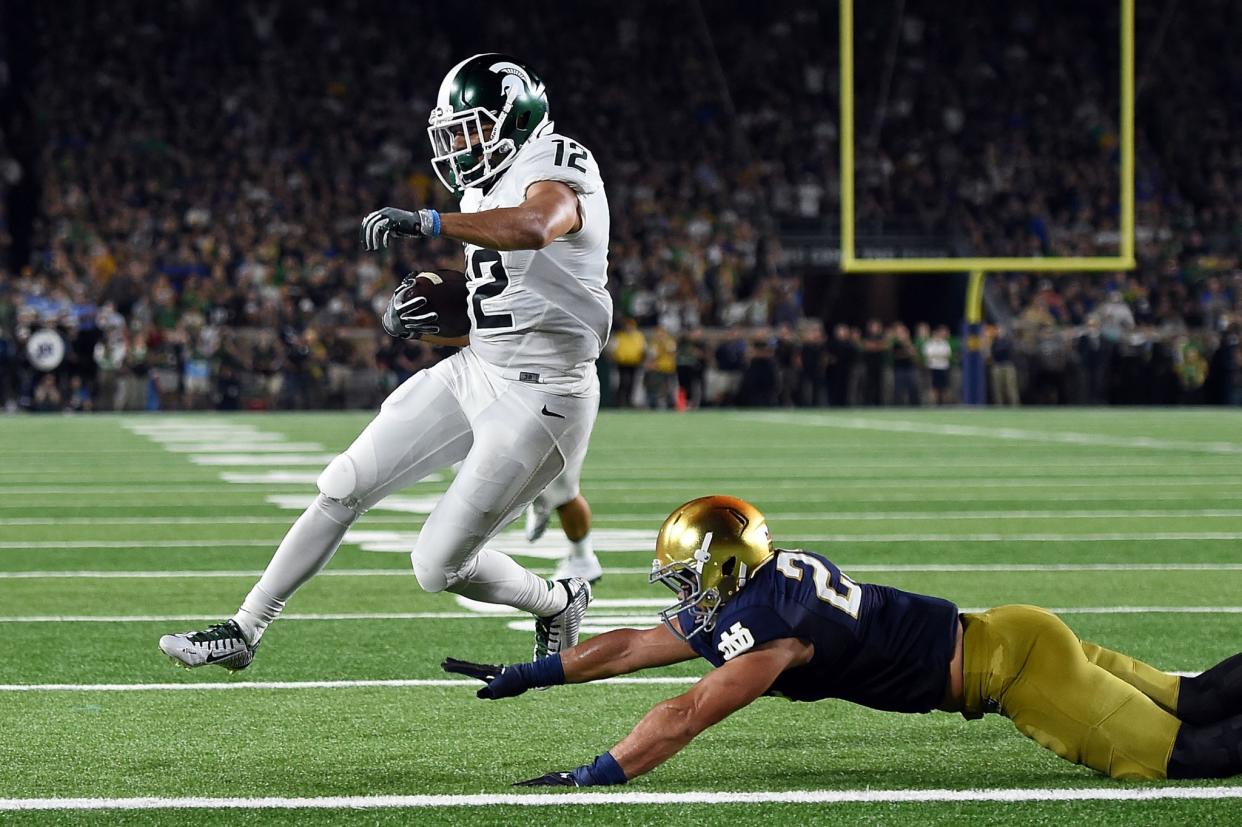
x,y
706,551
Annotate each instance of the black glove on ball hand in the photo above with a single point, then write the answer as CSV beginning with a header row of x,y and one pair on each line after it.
x,y
408,316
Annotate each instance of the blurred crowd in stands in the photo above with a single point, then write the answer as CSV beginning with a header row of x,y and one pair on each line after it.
x,y
203,168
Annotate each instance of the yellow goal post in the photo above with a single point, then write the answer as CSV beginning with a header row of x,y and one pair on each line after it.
x,y
850,263
977,267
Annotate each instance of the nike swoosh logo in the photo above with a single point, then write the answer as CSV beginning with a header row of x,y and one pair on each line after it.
x,y
546,412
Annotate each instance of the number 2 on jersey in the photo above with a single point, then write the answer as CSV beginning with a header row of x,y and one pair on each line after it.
x,y
486,266
847,596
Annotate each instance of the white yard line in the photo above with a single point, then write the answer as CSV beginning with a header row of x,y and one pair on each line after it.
x,y
594,617
857,423
190,574
636,797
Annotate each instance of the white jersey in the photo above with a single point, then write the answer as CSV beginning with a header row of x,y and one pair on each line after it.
x,y
542,316
937,352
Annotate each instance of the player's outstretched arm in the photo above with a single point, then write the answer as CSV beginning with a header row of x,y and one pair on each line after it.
x,y
549,212
623,651
672,724
618,652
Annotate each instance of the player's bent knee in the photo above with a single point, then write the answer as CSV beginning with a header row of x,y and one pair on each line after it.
x,y
338,490
431,577
339,480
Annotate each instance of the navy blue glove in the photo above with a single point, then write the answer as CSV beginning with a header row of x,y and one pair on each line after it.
x,y
552,779
603,771
508,681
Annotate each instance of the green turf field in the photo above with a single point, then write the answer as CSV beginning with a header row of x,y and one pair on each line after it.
x,y
115,530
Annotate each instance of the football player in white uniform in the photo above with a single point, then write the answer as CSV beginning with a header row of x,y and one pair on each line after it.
x,y
515,405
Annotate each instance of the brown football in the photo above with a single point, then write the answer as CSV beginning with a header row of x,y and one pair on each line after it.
x,y
446,294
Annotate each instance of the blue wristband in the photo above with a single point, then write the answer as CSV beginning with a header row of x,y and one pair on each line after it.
x,y
435,223
604,771
547,671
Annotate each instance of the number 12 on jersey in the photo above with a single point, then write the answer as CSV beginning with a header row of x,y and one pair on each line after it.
x,y
576,154
846,596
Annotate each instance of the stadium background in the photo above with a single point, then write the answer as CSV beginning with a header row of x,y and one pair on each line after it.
x,y
182,188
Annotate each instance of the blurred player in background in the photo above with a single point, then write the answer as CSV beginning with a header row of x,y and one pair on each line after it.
x,y
574,512
790,623
515,405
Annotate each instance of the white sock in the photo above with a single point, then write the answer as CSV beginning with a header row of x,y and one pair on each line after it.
x,y
582,548
493,577
307,548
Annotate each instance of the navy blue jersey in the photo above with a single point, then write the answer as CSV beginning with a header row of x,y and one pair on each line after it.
x,y
874,645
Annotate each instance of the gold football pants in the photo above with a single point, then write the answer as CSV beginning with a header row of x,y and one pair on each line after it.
x,y
1087,704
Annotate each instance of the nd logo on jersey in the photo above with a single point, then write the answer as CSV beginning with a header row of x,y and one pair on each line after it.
x,y
735,641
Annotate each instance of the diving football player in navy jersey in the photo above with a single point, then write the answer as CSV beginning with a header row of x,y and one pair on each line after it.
x,y
790,623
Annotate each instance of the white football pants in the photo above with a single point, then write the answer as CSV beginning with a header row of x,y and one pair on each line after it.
x,y
513,440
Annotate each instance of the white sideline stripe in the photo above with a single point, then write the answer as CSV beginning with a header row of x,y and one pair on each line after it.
x,y
1009,434
407,572
594,618
1001,796
356,684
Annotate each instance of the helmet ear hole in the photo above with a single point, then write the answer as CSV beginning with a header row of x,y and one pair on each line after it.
x,y
729,566
523,120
